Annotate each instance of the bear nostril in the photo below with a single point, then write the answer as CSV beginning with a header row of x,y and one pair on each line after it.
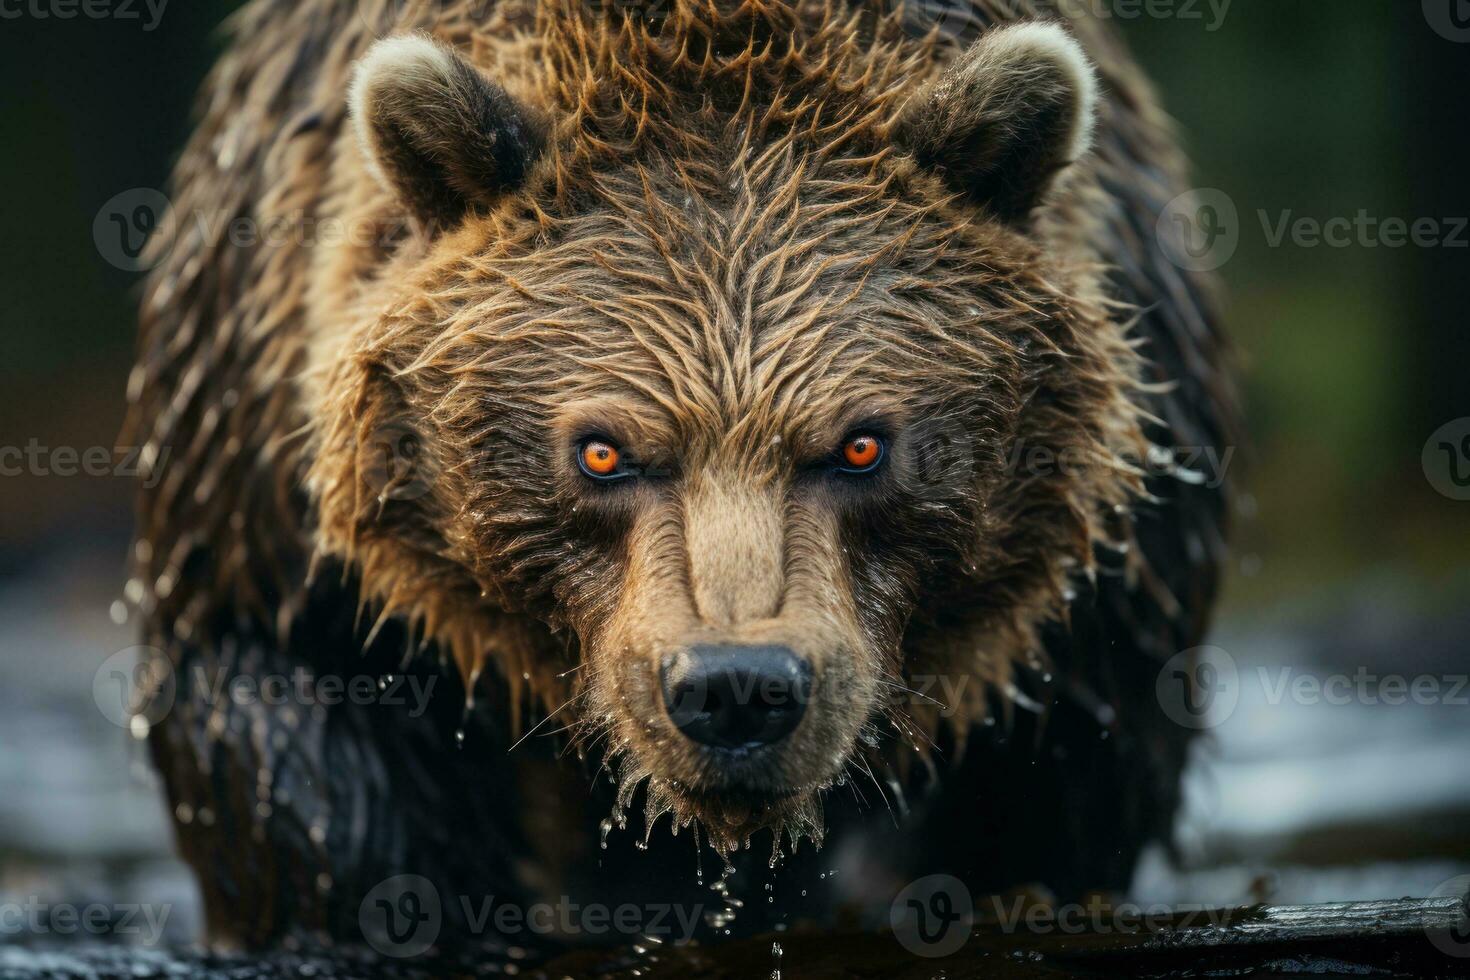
x,y
736,697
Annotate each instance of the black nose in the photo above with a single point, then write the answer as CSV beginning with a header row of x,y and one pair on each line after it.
x,y
733,697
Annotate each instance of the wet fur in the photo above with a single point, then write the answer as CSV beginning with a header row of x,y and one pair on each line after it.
x,y
741,237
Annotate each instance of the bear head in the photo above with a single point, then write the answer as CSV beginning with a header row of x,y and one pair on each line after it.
x,y
715,349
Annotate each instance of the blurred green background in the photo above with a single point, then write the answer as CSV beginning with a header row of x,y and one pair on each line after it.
x,y
1352,356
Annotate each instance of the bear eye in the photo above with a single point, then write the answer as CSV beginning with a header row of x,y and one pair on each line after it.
x,y
600,459
861,453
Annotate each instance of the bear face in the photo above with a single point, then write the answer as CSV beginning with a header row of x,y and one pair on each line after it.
x,y
727,382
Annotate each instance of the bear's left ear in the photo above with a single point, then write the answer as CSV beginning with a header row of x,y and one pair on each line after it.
x,y
436,131
1007,116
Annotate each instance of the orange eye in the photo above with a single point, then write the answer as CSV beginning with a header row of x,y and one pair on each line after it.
x,y
862,453
599,459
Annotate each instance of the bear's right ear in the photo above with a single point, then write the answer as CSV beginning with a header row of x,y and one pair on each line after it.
x,y
1006,117
438,133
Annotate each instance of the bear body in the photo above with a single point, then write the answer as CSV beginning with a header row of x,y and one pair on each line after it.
x,y
688,243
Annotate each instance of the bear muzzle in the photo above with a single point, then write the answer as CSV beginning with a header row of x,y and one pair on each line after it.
x,y
735,699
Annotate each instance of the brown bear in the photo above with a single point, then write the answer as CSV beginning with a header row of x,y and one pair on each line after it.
x,y
743,417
